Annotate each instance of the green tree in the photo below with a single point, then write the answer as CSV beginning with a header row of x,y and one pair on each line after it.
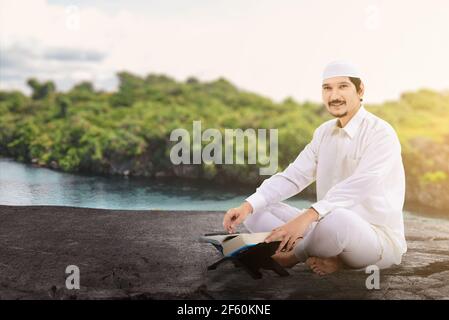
x,y
41,90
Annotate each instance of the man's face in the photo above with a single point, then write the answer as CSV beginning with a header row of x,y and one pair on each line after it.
x,y
340,96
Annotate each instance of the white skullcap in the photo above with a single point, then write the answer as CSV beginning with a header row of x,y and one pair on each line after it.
x,y
340,68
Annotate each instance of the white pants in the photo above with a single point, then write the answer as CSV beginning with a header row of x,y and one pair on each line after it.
x,y
340,233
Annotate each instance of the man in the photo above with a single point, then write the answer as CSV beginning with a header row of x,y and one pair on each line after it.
x,y
356,162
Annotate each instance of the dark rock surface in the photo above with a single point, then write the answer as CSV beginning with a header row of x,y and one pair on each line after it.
x,y
155,255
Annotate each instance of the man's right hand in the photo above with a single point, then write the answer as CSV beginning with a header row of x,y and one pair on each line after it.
x,y
235,216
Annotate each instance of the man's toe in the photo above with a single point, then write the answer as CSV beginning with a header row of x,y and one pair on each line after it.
x,y
310,261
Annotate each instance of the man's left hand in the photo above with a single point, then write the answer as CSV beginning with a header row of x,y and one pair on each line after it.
x,y
293,230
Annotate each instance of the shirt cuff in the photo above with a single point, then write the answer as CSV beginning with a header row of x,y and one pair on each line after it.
x,y
323,207
257,201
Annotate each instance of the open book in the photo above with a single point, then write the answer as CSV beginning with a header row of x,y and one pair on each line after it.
x,y
234,243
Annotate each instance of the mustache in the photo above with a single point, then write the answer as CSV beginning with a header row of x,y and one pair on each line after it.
x,y
336,102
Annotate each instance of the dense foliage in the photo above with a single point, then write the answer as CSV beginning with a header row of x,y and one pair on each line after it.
x,y
127,132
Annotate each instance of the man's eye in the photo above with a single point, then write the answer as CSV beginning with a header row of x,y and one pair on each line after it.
x,y
343,86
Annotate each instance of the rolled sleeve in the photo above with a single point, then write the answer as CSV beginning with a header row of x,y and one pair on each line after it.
x,y
257,201
323,207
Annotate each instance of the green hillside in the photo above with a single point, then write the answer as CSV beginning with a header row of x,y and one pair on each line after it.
x,y
127,132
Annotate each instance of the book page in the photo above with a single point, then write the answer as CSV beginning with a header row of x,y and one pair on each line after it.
x,y
217,239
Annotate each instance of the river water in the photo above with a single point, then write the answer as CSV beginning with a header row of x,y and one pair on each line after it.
x,y
25,184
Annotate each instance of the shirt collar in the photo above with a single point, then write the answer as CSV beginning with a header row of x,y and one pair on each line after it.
x,y
351,127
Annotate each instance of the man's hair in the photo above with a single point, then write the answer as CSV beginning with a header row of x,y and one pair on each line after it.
x,y
356,82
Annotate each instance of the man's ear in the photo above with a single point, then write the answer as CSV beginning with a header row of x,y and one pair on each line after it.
x,y
361,91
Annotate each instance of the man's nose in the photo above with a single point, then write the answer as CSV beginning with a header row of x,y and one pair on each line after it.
x,y
334,95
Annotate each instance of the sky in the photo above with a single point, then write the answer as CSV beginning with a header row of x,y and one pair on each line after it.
x,y
276,48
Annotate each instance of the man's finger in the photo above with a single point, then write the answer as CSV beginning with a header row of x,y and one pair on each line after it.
x,y
234,224
268,238
274,235
228,218
282,244
226,225
291,242
293,245
238,220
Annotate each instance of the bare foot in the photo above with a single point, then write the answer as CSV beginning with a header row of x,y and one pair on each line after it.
x,y
323,266
286,259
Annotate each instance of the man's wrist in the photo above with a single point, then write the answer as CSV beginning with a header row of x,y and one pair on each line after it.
x,y
313,214
247,206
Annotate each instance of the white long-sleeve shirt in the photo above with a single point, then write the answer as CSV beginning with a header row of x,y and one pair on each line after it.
x,y
358,167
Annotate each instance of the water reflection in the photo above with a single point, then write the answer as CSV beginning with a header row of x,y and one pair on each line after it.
x,y
23,184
